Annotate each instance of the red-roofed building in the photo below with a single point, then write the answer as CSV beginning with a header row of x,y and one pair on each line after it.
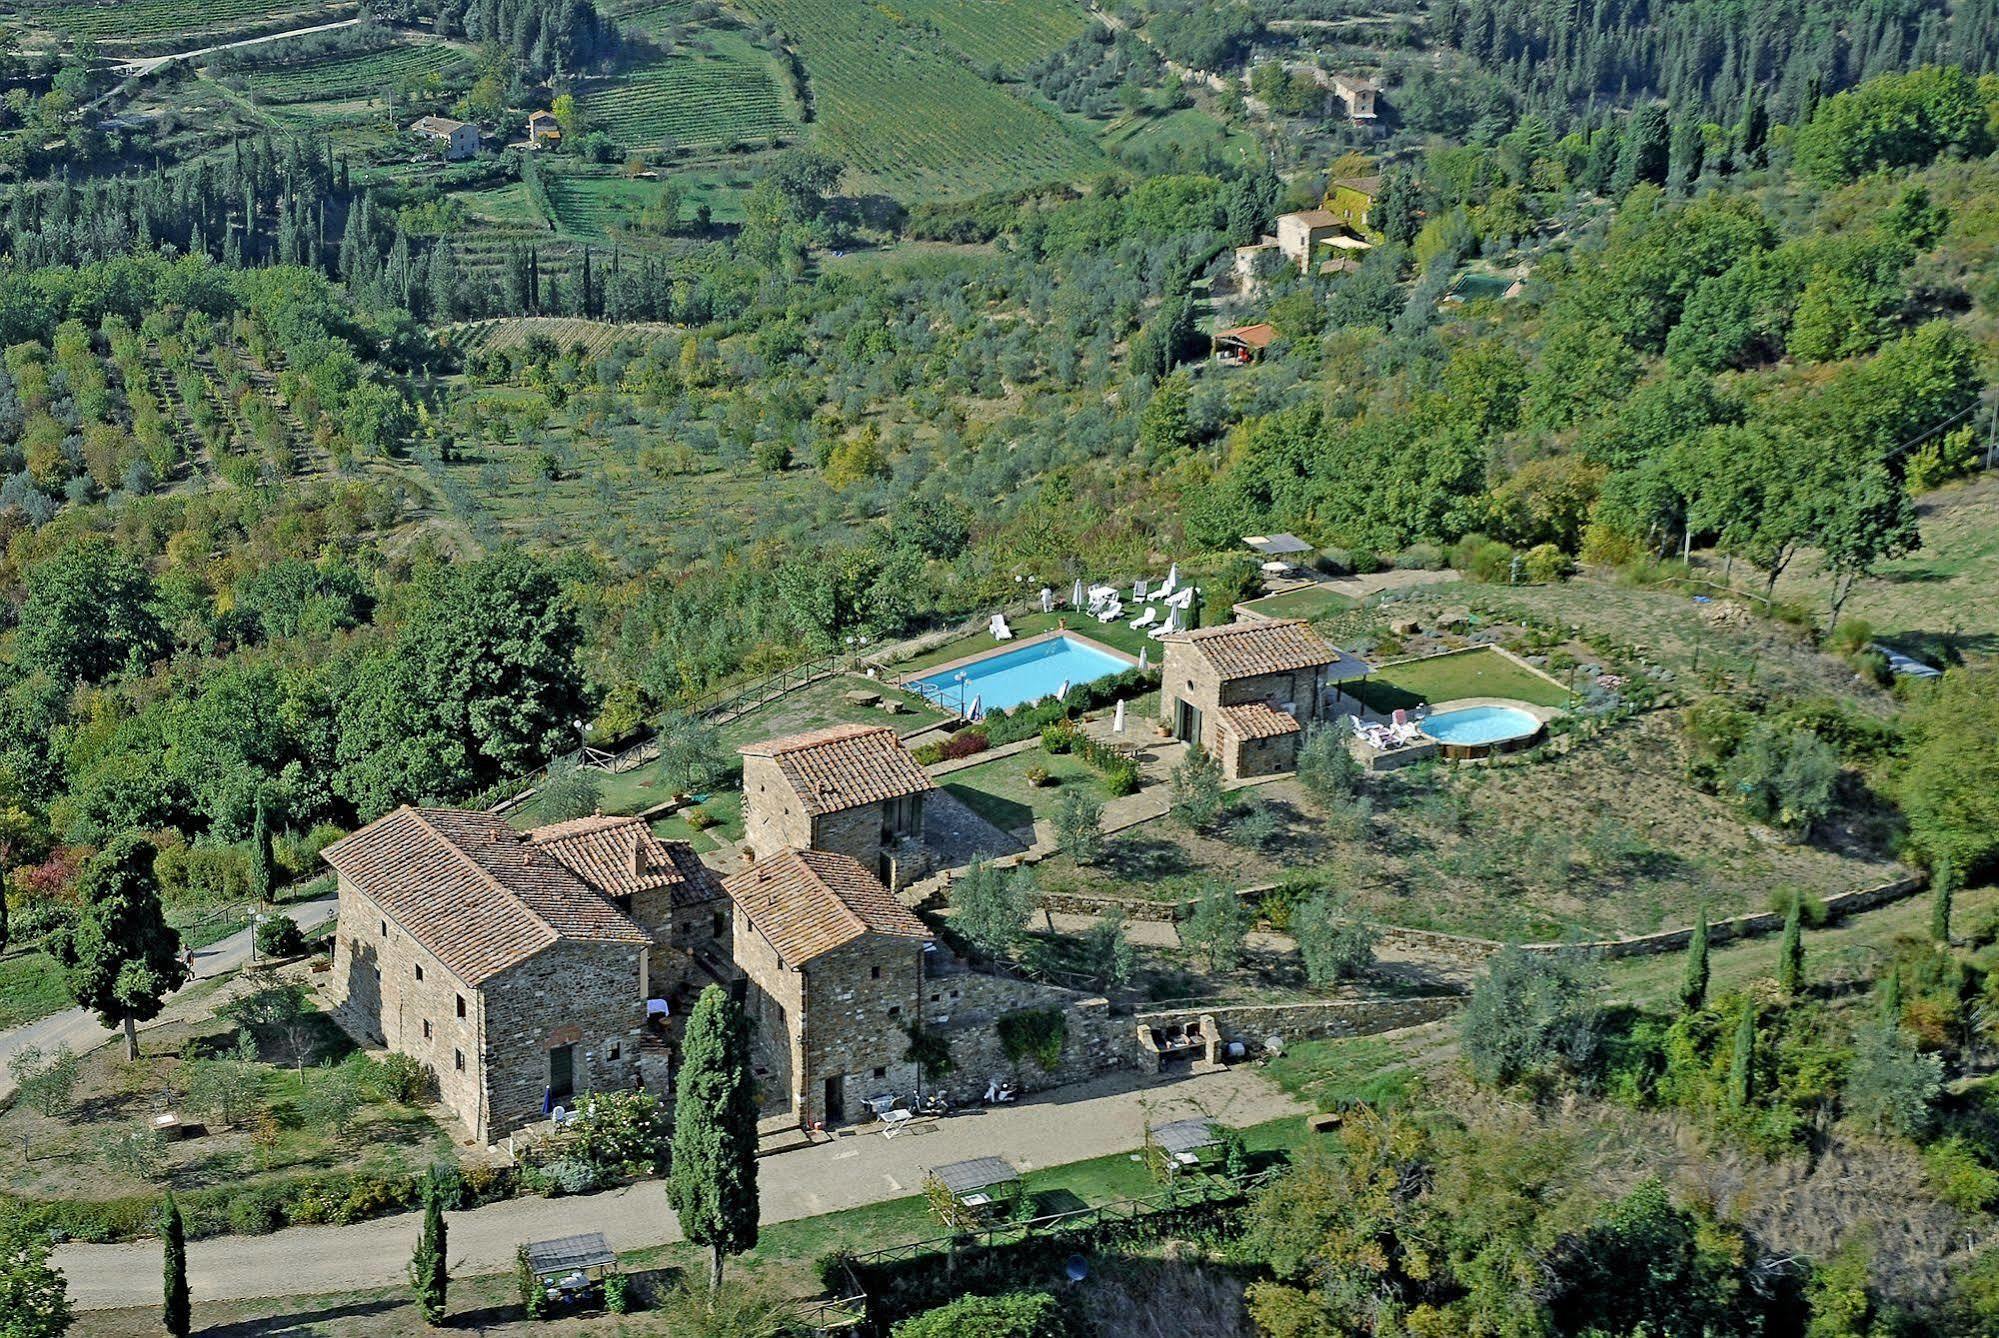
x,y
1246,691
515,966
852,789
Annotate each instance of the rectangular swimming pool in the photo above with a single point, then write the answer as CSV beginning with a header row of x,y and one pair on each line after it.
x,y
1006,678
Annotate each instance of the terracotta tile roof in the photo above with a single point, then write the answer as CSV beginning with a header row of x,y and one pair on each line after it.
x,y
474,891
1315,218
1368,186
620,855
809,902
844,766
1246,649
1256,336
1258,720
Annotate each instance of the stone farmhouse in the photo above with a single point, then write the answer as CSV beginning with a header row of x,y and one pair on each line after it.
x,y
460,138
1245,691
850,789
516,966
834,966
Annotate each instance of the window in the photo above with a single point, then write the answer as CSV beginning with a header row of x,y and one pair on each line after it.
x,y
419,970
385,929
426,1029
881,1073
613,1050
461,1005
719,924
895,1010
458,1060
874,973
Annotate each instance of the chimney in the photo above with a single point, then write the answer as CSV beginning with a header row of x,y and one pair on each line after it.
x,y
638,856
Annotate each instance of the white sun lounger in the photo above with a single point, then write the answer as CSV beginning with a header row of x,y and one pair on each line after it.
x,y
999,629
1374,736
1111,612
1145,620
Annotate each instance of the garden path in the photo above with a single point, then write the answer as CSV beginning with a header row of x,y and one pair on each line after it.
x,y
79,1028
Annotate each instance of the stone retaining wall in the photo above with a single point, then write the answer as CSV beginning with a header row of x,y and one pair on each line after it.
x,y
965,1008
1252,1024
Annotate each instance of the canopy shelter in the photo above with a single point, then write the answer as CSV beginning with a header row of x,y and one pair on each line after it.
x,y
571,1262
1242,343
1173,1146
1277,545
990,1176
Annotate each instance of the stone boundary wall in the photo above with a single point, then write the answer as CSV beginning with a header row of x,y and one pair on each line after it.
x,y
1096,1041
1471,951
1253,1023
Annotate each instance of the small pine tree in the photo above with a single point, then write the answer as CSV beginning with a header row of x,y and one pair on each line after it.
x,y
1693,989
429,1276
1943,889
1742,1065
1791,957
176,1313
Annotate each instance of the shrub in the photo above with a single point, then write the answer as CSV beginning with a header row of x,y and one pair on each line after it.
x,y
619,1296
1197,790
280,936
1058,737
1959,1177
1420,557
1034,1033
700,819
965,743
1483,559
1335,946
400,1077
1079,822
1545,564
928,754
620,1133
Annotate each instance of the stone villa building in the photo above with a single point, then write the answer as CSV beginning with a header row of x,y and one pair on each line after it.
x,y
834,966
516,966
850,789
1245,691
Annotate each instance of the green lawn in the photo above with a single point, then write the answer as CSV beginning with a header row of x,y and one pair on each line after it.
x,y
31,987
1336,1073
999,791
1443,678
1311,601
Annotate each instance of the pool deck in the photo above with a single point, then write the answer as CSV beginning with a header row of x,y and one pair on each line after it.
x,y
1002,647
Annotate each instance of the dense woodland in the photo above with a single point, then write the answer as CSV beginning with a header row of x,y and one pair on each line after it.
x,y
245,589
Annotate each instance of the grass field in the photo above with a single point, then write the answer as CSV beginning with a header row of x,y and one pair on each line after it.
x,y
511,332
1012,34
368,74
598,206
1187,128
1000,792
133,19
1308,602
31,987
1472,673
716,90
910,119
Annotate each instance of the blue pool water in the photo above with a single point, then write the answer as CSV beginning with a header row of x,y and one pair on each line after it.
x,y
1480,724
1009,677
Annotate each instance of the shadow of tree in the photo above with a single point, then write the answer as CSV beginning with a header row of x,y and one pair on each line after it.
x,y
1136,857
300,1323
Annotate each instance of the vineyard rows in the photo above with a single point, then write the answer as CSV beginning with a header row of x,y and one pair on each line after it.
x,y
677,101
567,332
365,74
157,18
913,119
1011,34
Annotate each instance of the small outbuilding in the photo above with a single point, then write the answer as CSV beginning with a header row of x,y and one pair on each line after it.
x,y
460,138
1181,1145
1240,345
544,131
570,1270
1245,691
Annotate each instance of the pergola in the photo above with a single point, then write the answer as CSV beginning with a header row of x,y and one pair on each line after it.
x,y
570,1266
974,1186
1181,1142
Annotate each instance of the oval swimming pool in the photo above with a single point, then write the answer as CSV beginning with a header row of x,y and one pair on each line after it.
x,y
1480,724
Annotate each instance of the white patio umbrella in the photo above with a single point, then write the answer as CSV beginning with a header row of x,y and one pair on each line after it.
x,y
973,712
1172,575
1062,692
1076,595
1144,653
1117,721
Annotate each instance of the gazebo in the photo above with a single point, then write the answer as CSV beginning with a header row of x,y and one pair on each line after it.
x,y
965,1192
570,1270
1178,1145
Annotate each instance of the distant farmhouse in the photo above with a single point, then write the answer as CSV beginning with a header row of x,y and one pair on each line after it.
x,y
544,131
460,138
1357,94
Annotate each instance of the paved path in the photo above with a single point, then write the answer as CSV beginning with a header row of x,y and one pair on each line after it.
x,y
1067,1124
80,1030
143,65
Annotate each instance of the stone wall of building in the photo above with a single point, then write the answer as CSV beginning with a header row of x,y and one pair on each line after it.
x,y
773,818
964,1008
587,995
376,994
774,997
859,1001
855,832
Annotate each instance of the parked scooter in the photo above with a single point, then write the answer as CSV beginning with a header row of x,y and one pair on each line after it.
x,y
1001,1092
936,1103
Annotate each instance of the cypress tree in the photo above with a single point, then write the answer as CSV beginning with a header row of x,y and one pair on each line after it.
x,y
713,1186
428,1275
260,855
175,1310
1943,889
1742,1066
1891,998
1791,959
1693,989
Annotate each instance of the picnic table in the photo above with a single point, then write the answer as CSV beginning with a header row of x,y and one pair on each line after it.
x,y
894,1121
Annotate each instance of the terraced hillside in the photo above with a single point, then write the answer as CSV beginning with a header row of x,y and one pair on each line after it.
x,y
143,19
359,75
1011,34
909,118
716,90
